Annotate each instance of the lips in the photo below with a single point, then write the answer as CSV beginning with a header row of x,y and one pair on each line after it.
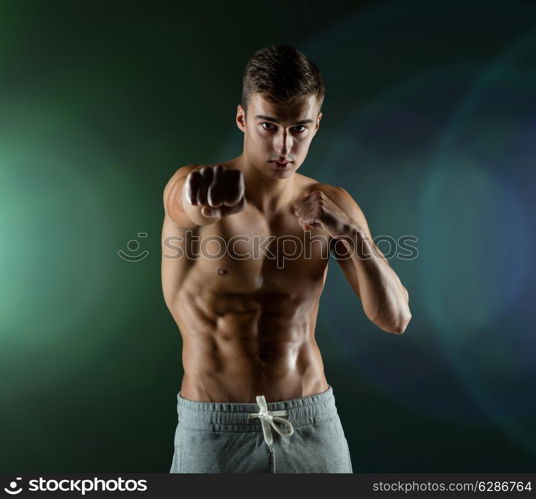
x,y
281,164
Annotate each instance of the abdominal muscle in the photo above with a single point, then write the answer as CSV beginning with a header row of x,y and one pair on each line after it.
x,y
238,346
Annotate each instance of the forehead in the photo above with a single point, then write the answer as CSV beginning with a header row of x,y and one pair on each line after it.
x,y
302,109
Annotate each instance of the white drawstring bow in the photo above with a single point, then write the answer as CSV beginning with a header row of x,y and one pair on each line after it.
x,y
269,418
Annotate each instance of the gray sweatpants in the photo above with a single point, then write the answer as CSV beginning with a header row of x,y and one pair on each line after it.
x,y
301,435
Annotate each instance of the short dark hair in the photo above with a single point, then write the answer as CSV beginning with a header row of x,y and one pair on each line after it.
x,y
282,74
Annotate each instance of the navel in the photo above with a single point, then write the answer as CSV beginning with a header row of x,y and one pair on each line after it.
x,y
222,271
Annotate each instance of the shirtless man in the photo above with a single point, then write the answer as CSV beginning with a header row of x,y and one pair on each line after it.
x,y
245,257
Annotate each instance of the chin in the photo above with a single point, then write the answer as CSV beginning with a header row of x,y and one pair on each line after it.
x,y
280,173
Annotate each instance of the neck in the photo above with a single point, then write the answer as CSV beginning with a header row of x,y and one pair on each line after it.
x,y
267,194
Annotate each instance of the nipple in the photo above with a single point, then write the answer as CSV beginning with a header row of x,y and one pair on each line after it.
x,y
222,271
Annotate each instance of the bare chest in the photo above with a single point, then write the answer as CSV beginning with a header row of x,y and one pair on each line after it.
x,y
247,252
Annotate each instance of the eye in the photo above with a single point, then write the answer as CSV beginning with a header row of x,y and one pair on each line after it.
x,y
269,126
303,128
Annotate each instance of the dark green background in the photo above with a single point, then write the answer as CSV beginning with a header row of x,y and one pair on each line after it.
x,y
429,122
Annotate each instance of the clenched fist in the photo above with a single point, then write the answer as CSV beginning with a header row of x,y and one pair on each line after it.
x,y
316,209
216,190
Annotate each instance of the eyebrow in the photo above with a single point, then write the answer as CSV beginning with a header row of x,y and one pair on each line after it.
x,y
275,120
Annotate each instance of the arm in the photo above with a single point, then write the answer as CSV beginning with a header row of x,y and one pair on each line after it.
x,y
384,298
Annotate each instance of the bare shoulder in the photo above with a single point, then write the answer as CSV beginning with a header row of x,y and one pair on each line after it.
x,y
183,171
170,192
308,184
305,184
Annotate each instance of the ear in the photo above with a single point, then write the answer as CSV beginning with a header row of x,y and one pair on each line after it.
x,y
318,118
317,124
240,118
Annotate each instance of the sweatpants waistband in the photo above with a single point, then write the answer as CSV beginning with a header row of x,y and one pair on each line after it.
x,y
227,416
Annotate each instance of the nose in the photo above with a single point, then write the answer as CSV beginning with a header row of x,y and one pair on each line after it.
x,y
283,143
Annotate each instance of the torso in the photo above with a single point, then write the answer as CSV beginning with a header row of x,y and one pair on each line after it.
x,y
247,320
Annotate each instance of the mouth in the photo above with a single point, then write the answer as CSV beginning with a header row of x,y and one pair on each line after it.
x,y
281,165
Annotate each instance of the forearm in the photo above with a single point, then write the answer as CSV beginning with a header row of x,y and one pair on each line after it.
x,y
384,298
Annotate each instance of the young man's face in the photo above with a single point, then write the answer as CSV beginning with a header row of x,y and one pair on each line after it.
x,y
278,132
